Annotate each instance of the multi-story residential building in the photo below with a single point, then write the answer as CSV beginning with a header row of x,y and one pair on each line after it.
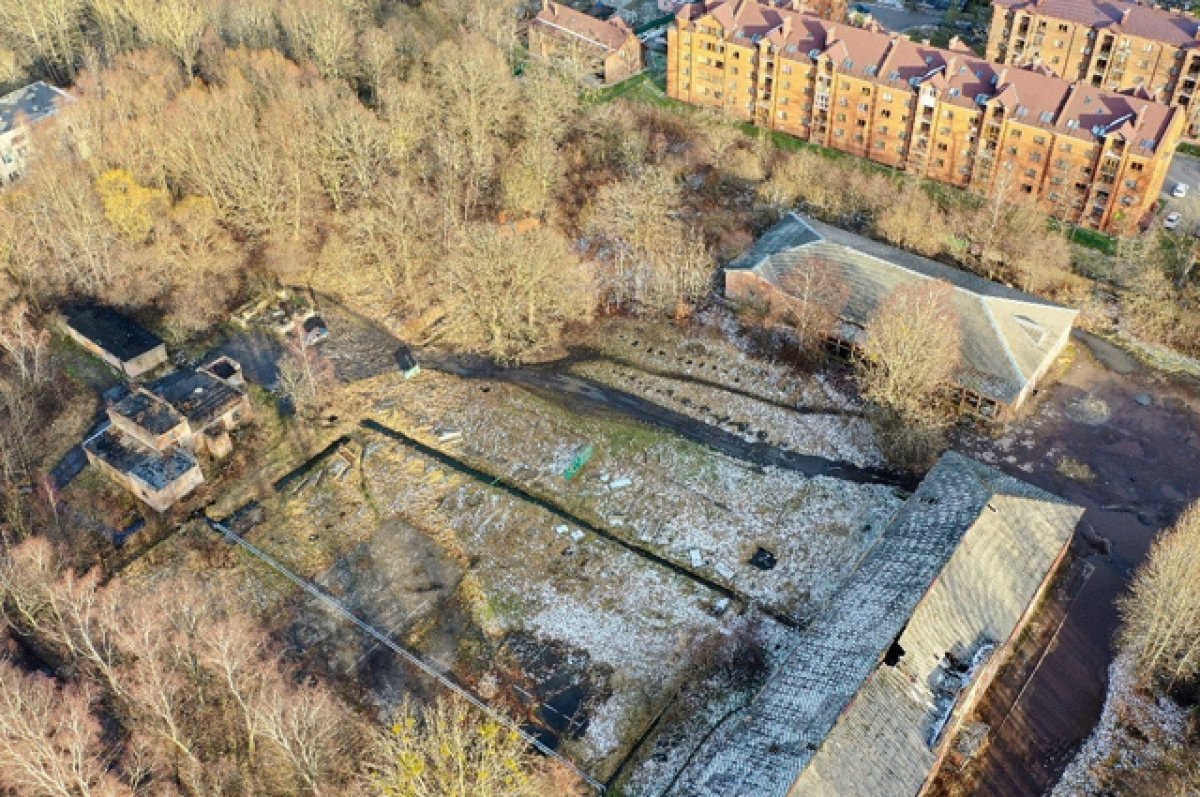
x,y
1109,44
606,49
1087,155
20,110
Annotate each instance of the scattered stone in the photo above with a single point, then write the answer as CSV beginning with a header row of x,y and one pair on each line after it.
x,y
720,607
697,559
1145,399
724,571
620,484
561,528
577,534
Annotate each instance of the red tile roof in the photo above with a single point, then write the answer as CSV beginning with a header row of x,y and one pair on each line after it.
x,y
1033,96
1117,16
610,35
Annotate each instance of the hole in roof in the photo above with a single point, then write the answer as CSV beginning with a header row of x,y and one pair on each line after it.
x,y
894,652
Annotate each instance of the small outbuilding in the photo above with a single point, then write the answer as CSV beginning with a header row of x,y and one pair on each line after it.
x,y
118,340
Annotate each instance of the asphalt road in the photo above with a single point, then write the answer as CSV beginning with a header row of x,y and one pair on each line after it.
x,y
901,19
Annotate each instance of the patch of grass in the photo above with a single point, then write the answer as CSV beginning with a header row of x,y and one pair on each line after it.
x,y
1189,149
1093,239
1075,469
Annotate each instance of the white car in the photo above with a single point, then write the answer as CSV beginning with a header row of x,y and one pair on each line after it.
x,y
1180,190
1172,220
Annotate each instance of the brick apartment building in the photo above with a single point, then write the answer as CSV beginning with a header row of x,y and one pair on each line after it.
x,y
1111,44
1084,154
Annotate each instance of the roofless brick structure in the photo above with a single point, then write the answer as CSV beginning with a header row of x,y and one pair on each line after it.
x,y
1087,155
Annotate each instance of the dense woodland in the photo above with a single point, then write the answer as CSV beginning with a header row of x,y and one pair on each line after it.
x,y
407,159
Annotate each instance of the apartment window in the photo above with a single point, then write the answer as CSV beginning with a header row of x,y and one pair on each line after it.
x,y
1036,157
943,131
733,70
1012,150
964,170
844,85
1150,47
787,85
886,96
1058,43
1031,172
839,133
782,114
841,117
1131,183
684,85
858,138
1027,189
949,116
883,130
1057,180
1015,133
942,147
863,107
1063,28
879,145
940,163
1039,139
1066,147
1053,196
1135,166
843,102
787,69
1055,60
885,113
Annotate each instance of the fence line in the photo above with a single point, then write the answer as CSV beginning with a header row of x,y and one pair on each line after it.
x,y
421,664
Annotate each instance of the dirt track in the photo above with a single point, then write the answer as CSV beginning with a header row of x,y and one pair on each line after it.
x,y
1146,460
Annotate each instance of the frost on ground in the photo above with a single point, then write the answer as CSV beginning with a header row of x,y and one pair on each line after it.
x,y
700,509
1133,734
822,430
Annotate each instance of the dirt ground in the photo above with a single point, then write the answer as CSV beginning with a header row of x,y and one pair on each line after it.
x,y
1138,433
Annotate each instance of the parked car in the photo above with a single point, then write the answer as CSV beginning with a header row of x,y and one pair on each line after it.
x,y
1172,220
1180,190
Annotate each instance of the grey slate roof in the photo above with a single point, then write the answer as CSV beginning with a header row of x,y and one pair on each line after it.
x,y
832,711
1007,335
30,104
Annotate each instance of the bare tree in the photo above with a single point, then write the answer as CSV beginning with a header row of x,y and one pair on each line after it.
x,y
1161,616
50,744
910,350
911,221
448,750
508,294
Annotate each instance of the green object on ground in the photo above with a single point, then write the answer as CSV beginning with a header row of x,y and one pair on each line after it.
x,y
578,461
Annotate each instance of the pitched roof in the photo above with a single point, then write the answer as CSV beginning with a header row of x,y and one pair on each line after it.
x,y
30,104
959,564
1134,19
1033,96
113,332
1007,335
610,34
